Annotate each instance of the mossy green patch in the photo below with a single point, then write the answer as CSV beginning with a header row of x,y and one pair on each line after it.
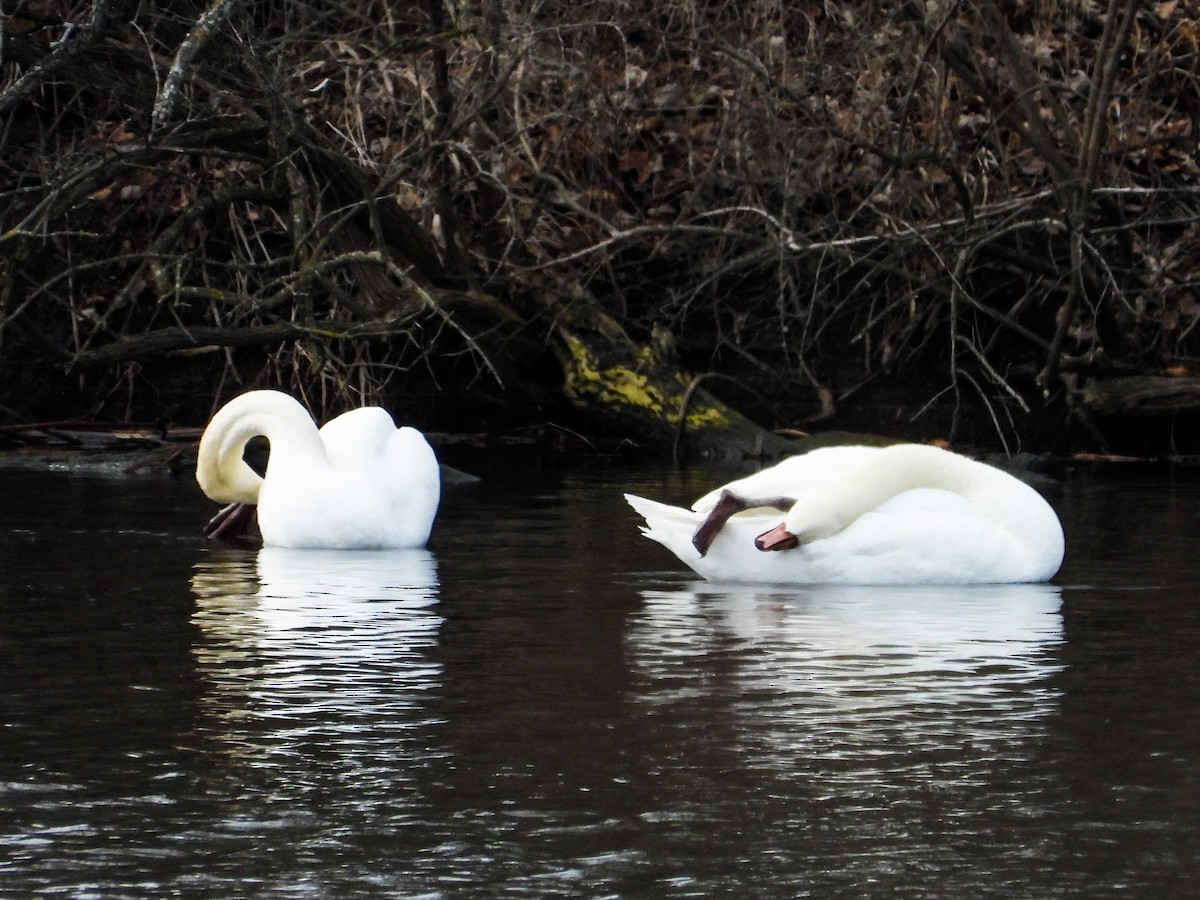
x,y
635,386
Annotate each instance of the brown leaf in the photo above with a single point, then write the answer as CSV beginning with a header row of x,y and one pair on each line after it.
x,y
120,135
635,161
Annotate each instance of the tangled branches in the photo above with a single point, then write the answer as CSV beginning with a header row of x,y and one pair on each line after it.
x,y
519,203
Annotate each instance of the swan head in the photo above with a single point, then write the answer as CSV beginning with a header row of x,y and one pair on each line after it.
x,y
223,474
810,519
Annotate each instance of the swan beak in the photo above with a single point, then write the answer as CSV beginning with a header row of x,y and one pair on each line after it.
x,y
778,538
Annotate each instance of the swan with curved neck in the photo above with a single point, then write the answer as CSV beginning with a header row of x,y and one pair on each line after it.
x,y
357,483
904,514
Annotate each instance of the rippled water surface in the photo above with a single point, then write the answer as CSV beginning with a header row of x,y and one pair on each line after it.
x,y
544,703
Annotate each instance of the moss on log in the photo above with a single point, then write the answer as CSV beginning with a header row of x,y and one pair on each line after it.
x,y
641,390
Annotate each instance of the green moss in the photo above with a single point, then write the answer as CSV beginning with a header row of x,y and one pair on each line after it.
x,y
703,416
620,385
614,384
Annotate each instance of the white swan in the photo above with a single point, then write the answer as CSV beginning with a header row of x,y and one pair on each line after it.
x,y
358,483
905,514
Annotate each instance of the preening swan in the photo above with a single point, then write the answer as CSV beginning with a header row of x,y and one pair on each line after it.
x,y
357,483
905,514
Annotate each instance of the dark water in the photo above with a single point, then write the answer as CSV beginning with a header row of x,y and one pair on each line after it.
x,y
543,704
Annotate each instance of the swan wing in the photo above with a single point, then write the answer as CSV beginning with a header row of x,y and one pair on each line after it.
x,y
416,481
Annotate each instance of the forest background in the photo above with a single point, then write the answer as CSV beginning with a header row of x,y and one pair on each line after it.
x,y
714,222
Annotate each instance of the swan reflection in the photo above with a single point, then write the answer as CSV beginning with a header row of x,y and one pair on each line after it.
x,y
858,671
325,640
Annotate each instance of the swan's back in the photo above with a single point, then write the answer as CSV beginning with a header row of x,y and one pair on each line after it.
x,y
373,486
357,437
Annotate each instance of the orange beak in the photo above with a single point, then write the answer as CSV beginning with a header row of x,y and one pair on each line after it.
x,y
778,538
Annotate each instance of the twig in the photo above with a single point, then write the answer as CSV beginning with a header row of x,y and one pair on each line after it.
x,y
206,26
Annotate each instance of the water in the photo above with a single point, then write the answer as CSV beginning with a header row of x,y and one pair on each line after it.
x,y
544,704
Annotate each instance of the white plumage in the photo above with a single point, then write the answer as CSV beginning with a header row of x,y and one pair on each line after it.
x,y
357,483
905,514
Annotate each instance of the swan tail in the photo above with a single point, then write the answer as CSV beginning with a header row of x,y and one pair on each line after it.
x,y
656,513
670,526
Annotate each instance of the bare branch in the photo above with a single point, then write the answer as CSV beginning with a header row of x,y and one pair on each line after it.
x,y
202,31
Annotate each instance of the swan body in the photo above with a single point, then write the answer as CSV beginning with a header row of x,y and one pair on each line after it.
x,y
357,483
904,514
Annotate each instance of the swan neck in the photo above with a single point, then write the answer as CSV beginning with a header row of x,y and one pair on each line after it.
x,y
909,466
892,471
221,470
